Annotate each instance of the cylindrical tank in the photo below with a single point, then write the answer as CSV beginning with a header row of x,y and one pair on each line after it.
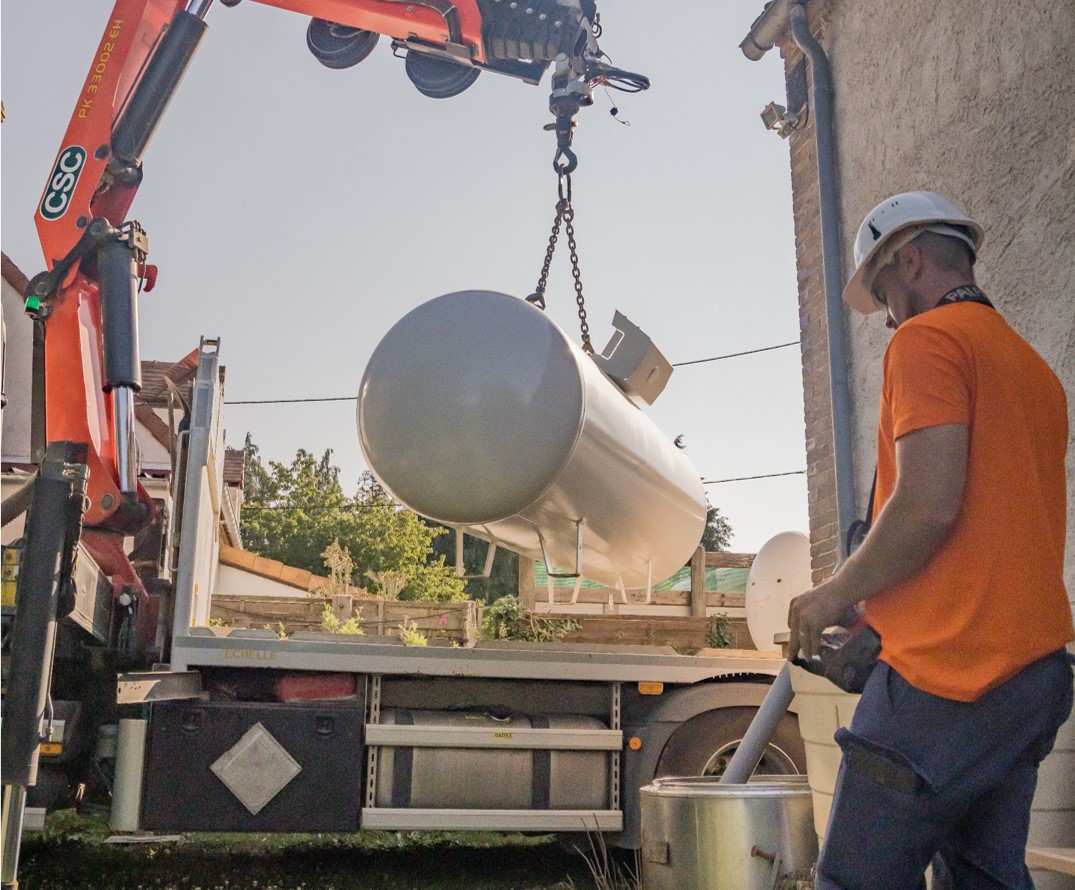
x,y
477,411
491,778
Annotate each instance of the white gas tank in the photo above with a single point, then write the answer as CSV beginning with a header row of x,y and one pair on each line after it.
x,y
476,410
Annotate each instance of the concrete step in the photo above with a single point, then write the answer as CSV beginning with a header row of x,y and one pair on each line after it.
x,y
1059,859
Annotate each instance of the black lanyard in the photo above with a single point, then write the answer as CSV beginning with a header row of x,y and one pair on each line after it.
x,y
965,293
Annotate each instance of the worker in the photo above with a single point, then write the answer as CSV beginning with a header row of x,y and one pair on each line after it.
x,y
961,573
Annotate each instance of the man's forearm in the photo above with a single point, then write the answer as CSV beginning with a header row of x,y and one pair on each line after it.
x,y
900,543
916,519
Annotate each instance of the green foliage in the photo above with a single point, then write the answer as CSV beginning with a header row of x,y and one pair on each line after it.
x,y
411,635
718,631
68,825
292,513
297,513
717,534
331,624
279,629
366,860
434,581
506,619
503,580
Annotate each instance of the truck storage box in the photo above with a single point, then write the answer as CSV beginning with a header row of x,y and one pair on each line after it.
x,y
238,766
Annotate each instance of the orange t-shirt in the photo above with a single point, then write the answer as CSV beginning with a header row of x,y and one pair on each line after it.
x,y
991,600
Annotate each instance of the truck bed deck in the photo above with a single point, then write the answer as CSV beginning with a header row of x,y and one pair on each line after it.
x,y
312,651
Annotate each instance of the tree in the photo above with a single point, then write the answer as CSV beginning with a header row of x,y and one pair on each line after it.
x,y
717,534
294,513
503,580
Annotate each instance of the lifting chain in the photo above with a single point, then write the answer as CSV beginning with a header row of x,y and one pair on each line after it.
x,y
565,215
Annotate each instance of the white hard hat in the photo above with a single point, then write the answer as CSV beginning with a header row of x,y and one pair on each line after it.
x,y
911,213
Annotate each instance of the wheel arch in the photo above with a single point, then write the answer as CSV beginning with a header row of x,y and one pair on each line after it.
x,y
655,725
681,704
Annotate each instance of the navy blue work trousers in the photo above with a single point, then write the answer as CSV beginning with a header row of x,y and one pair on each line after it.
x,y
923,775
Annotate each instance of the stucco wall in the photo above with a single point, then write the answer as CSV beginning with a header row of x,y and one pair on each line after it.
x,y
977,101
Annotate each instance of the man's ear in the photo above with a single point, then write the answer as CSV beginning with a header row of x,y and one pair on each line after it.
x,y
912,258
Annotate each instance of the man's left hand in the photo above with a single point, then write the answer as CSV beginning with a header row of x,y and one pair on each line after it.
x,y
810,614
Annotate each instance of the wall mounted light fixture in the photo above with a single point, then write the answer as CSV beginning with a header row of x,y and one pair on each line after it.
x,y
779,119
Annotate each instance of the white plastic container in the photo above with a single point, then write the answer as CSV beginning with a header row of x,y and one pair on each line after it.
x,y
822,708
476,410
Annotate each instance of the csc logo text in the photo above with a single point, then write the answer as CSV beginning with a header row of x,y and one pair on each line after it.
x,y
63,181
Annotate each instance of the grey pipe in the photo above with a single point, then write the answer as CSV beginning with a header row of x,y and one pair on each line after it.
x,y
766,30
821,83
751,750
762,37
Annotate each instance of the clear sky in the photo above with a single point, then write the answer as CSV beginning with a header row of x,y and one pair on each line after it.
x,y
297,213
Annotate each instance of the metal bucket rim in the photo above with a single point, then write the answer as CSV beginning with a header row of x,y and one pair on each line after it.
x,y
711,786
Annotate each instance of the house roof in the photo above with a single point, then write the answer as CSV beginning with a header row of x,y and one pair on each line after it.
x,y
156,377
13,274
234,466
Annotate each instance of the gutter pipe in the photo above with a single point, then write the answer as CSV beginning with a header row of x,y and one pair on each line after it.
x,y
821,81
766,30
776,18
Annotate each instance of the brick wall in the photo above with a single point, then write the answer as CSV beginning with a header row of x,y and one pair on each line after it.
x,y
817,404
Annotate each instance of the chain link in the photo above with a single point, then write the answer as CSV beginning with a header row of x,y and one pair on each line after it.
x,y
584,327
565,216
538,296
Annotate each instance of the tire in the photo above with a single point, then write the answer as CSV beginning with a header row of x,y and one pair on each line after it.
x,y
339,46
438,78
704,744
53,790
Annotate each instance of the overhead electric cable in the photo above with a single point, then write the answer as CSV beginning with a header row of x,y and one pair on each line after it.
x,y
749,478
286,401
697,361
717,358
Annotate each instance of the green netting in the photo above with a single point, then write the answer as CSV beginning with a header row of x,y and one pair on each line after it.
x,y
716,579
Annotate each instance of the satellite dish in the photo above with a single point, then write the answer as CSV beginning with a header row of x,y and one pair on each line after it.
x,y
781,571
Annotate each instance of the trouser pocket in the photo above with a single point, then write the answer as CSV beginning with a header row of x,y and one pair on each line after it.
x,y
881,765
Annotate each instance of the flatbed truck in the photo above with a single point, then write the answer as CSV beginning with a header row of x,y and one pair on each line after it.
x,y
237,729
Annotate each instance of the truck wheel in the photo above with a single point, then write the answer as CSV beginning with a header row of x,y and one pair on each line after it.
x,y
704,744
438,78
339,46
53,790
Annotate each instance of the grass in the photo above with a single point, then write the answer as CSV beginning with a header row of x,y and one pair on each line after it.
x,y
74,856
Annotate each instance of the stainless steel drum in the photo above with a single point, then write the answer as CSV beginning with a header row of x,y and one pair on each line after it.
x,y
699,834
478,411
